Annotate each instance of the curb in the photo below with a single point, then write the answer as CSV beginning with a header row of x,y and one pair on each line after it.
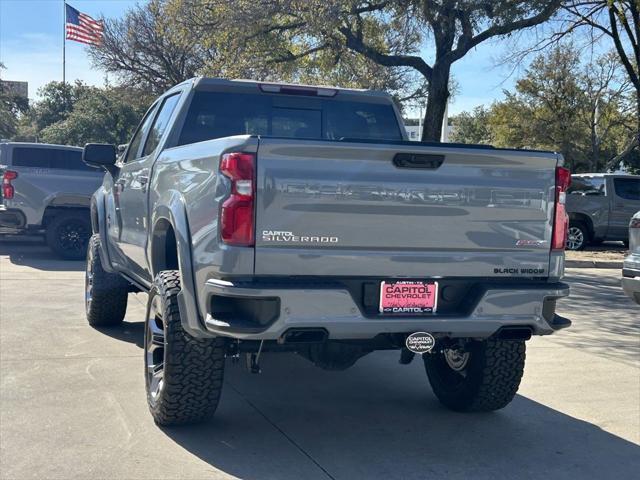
x,y
592,264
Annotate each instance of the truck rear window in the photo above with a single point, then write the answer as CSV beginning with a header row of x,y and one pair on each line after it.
x,y
57,158
217,114
586,185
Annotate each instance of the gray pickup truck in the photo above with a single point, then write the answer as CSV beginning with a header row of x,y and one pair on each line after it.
x,y
600,206
266,217
46,189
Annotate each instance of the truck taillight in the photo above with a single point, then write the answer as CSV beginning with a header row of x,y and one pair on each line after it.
x,y
560,218
237,212
7,189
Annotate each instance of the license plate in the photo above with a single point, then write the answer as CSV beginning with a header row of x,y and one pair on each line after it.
x,y
408,297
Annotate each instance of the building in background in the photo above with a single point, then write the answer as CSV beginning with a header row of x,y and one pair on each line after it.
x,y
414,130
17,88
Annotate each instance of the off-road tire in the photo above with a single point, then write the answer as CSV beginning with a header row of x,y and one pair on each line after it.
x,y
106,303
493,373
68,234
193,367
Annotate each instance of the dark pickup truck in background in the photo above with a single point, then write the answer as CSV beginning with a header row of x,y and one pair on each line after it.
x,y
600,206
267,217
46,190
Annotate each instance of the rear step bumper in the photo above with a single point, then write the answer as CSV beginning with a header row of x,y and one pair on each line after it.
x,y
11,220
255,313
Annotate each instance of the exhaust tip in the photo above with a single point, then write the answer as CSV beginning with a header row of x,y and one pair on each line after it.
x,y
515,333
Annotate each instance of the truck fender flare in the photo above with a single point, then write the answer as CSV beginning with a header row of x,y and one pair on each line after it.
x,y
62,199
99,226
170,208
579,216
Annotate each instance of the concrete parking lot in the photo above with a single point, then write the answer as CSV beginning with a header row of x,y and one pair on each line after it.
x,y
72,402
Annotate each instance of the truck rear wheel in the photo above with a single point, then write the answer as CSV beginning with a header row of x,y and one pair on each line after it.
x,y
183,374
578,236
105,293
485,376
68,234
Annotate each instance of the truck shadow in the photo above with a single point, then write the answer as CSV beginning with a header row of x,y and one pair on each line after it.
x,y
380,420
32,252
130,332
608,323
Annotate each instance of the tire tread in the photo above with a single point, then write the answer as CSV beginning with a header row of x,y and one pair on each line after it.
x,y
110,292
194,367
492,381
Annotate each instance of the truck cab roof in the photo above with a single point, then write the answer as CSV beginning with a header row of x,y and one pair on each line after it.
x,y
603,175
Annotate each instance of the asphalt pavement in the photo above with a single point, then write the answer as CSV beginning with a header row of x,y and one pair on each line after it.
x,y
72,401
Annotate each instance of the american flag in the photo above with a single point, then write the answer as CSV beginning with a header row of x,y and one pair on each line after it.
x,y
82,28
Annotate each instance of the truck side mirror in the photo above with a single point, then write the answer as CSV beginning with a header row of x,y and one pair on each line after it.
x,y
122,148
100,155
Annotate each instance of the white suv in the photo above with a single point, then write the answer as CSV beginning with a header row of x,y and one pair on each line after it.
x,y
631,265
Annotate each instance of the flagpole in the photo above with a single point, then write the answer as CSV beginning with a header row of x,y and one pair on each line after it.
x,y
64,41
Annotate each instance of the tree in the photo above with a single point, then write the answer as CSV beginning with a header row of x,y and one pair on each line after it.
x,y
392,33
147,49
56,102
472,127
165,42
619,20
616,21
102,115
75,114
11,106
609,110
560,104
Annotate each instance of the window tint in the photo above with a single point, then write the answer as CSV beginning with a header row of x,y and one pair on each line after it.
x,y
56,158
160,124
296,123
628,188
361,121
135,146
587,186
216,114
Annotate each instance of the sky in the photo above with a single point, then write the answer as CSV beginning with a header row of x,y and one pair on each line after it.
x,y
31,37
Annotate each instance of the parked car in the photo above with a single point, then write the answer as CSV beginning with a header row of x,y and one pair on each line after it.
x,y
631,265
268,217
600,206
46,189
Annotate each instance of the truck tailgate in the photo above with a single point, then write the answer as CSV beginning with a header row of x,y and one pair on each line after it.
x,y
334,208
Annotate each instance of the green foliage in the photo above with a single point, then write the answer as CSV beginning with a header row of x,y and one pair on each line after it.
x,y
584,111
77,114
472,127
149,48
164,42
11,107
103,115
57,101
415,41
387,45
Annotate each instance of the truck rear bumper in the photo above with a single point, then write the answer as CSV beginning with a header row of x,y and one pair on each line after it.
x,y
266,313
631,277
11,220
